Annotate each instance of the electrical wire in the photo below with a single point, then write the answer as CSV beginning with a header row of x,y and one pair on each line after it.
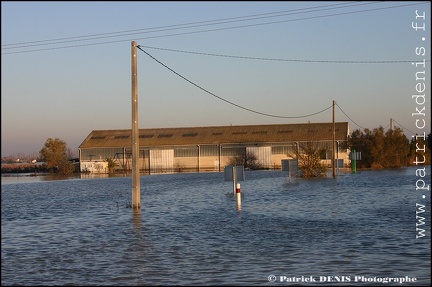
x,y
364,128
229,102
281,59
201,31
349,117
183,26
250,110
403,127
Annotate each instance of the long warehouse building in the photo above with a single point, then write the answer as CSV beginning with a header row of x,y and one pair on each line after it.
x,y
196,149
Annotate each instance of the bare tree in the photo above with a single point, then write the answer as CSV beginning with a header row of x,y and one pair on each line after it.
x,y
70,153
247,159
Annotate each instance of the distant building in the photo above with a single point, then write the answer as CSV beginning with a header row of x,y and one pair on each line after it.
x,y
197,149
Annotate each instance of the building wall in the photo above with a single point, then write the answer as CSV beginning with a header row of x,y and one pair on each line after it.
x,y
161,160
263,154
191,158
96,166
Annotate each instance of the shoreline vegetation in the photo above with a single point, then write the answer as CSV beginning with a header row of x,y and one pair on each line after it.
x,y
31,168
28,168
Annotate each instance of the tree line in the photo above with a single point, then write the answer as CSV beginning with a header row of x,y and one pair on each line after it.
x,y
388,149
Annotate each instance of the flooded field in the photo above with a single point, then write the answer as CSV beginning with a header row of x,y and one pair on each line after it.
x,y
357,229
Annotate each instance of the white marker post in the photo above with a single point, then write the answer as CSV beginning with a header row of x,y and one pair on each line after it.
x,y
234,174
238,192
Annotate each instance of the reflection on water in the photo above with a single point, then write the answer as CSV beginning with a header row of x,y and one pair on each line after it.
x,y
189,230
36,177
136,219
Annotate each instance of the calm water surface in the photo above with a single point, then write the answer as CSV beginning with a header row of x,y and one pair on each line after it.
x,y
190,232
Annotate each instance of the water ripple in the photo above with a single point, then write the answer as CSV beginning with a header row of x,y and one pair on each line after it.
x,y
190,232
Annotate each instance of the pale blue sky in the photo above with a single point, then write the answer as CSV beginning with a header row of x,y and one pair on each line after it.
x,y
53,91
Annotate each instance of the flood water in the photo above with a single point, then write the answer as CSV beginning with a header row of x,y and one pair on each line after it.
x,y
357,229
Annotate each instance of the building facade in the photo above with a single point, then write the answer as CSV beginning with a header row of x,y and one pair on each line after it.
x,y
199,149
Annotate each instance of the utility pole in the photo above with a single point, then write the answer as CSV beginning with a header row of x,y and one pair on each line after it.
x,y
333,141
135,132
391,124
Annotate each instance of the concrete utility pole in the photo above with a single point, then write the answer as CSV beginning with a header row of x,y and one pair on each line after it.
x,y
136,198
391,124
333,141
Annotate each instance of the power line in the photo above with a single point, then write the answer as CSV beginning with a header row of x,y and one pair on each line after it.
x,y
349,117
403,127
281,59
250,110
200,31
229,102
364,128
182,26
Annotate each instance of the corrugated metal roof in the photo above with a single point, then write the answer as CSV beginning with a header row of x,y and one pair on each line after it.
x,y
217,135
